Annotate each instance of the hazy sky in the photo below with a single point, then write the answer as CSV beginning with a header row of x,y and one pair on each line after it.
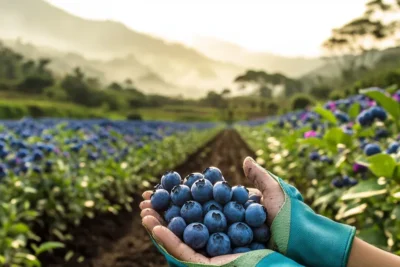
x,y
287,27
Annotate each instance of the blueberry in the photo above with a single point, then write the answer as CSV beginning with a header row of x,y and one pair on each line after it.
x,y
192,211
234,212
158,186
257,246
248,203
346,180
326,159
202,190
180,194
193,177
37,155
222,192
365,118
256,215
241,250
341,116
160,200
358,168
393,148
337,182
240,234
378,113
215,221
177,225
170,179
256,198
218,244
314,156
381,133
262,234
372,149
172,212
211,205
240,194
196,235
213,174
353,182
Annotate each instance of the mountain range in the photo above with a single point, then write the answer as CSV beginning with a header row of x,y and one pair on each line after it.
x,y
112,51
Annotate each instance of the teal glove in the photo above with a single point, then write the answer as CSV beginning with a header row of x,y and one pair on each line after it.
x,y
258,258
306,237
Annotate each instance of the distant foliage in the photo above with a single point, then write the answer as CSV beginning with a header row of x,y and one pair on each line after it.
x,y
301,101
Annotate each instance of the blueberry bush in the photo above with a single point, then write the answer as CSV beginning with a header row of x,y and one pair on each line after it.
x,y
344,157
54,173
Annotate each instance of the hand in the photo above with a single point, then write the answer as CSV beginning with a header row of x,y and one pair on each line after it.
x,y
297,231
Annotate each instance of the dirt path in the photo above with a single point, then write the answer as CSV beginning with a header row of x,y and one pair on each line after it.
x,y
121,241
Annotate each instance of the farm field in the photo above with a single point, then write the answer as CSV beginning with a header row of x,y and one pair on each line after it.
x,y
70,188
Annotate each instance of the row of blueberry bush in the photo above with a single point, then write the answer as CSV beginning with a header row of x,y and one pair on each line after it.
x,y
344,156
54,173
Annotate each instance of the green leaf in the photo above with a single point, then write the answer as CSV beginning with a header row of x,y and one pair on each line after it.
x,y
354,110
49,246
391,89
335,136
382,165
313,141
389,104
365,189
374,236
325,114
19,228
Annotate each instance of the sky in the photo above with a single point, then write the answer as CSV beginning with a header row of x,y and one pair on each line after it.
x,y
285,27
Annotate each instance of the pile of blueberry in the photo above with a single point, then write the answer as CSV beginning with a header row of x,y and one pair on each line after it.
x,y
209,215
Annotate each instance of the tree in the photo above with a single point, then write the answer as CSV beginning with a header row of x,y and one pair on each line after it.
x,y
115,86
353,48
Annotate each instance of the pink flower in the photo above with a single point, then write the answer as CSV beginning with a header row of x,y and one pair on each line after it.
x,y
396,97
371,103
310,134
332,106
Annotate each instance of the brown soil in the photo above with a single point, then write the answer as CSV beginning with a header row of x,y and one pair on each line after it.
x,y
121,241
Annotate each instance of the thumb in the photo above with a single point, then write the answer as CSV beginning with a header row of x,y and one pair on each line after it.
x,y
259,177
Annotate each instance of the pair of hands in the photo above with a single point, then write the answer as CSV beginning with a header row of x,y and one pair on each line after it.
x,y
272,197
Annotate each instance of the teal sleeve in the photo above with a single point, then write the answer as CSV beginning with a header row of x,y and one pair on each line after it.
x,y
308,238
258,258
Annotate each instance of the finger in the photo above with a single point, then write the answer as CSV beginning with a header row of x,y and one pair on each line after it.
x,y
151,212
145,205
176,247
150,222
221,260
254,191
260,178
147,194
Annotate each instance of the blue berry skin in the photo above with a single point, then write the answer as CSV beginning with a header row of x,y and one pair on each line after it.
x,y
158,186
213,174
393,148
172,212
170,179
218,244
196,235
314,156
240,234
222,192
215,221
372,149
248,203
378,113
353,182
202,191
337,182
192,212
341,116
160,200
241,250
255,198
193,177
257,246
211,205
240,194
256,215
177,225
261,234
234,212
365,118
180,194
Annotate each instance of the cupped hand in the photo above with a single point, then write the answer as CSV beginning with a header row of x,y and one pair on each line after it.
x,y
272,197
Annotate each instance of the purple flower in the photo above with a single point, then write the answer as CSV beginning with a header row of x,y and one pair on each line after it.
x,y
396,97
371,103
310,134
358,168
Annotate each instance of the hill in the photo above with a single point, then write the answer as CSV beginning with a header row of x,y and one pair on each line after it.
x,y
40,23
232,53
